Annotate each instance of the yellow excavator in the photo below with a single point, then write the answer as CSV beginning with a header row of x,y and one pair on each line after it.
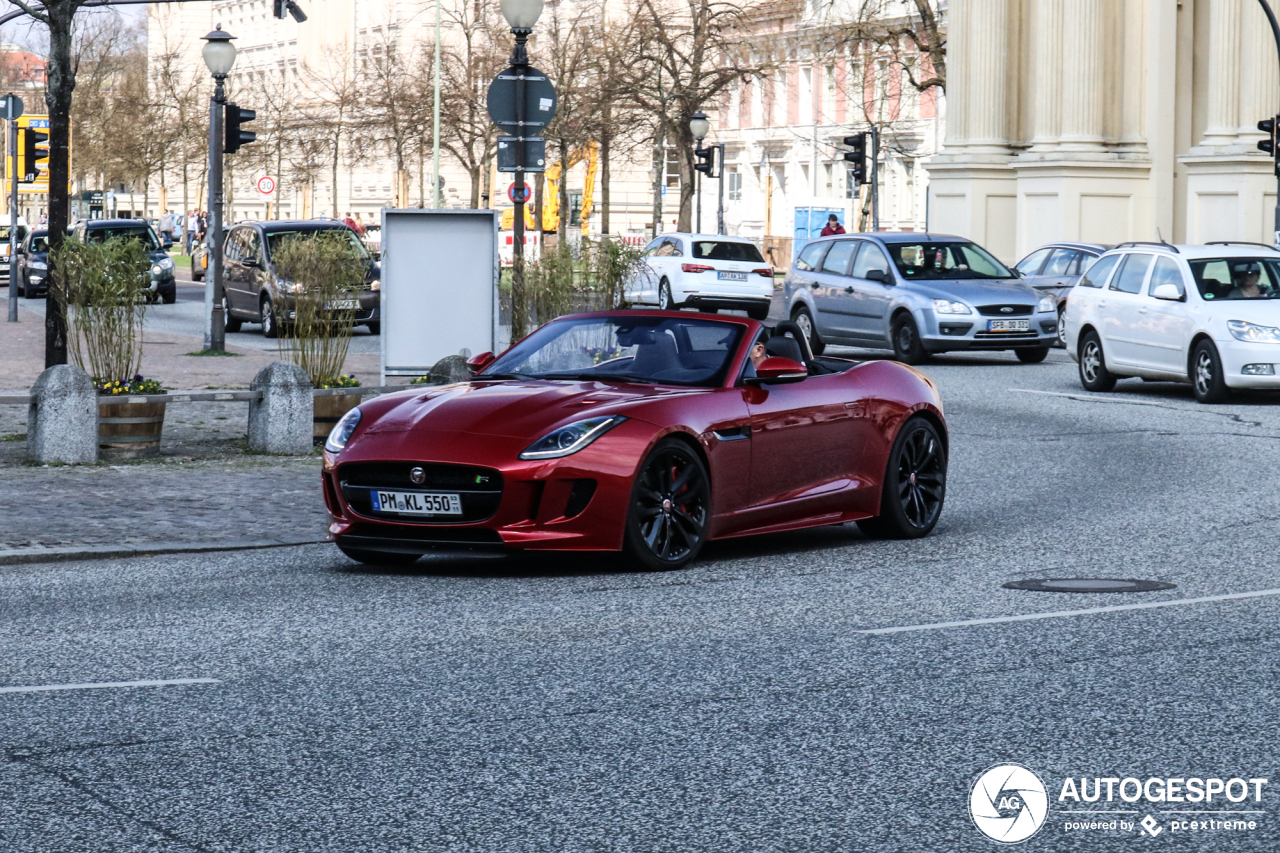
x,y
551,193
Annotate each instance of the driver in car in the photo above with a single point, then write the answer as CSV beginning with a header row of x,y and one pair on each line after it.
x,y
1247,284
756,356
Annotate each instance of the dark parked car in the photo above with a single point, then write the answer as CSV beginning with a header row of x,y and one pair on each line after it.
x,y
33,264
162,285
1055,269
254,291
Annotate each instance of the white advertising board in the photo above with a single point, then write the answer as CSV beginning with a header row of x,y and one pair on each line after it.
x,y
439,287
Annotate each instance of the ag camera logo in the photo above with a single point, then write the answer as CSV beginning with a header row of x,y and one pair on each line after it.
x,y
1008,803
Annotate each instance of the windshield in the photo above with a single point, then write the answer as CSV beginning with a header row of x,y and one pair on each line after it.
x,y
142,233
4,233
714,250
951,260
1237,278
40,243
275,239
624,348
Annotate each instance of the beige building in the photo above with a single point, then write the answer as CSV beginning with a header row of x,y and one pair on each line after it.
x,y
1105,121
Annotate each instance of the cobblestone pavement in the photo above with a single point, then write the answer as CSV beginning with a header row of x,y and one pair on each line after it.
x,y
232,499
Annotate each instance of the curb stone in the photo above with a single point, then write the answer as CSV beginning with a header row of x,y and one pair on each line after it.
x,y
70,553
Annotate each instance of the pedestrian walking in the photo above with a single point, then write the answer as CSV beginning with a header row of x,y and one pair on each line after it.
x,y
192,224
349,222
833,226
166,227
359,225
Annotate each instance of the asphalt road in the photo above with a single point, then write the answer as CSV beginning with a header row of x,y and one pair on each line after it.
x,y
506,704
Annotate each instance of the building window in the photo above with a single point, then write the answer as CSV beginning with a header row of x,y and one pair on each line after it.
x,y
735,185
779,117
830,188
806,95
672,177
575,210
829,95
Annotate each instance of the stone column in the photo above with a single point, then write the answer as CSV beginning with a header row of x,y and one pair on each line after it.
x,y
62,424
957,127
987,69
1224,72
281,422
1083,116
1259,86
1048,81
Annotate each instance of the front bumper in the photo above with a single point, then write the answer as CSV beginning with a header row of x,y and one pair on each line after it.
x,y
1236,354
948,332
369,310
577,503
729,303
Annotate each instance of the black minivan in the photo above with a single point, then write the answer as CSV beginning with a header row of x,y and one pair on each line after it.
x,y
253,292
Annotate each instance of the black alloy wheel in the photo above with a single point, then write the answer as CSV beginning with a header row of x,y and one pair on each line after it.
x,y
378,558
907,347
1094,375
1206,374
915,484
1032,355
804,320
229,323
670,508
665,302
270,325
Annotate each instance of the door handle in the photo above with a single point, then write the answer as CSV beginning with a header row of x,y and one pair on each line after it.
x,y
848,290
814,286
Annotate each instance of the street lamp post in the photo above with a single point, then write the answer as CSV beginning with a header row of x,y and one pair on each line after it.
x,y
521,15
219,55
699,126
1275,32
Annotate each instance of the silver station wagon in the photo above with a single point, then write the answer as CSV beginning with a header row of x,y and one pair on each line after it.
x,y
918,294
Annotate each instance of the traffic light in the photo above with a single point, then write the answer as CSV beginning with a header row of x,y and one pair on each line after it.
x,y
857,155
1270,126
706,160
287,7
235,137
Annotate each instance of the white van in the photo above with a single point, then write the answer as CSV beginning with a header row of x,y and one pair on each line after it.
x,y
4,244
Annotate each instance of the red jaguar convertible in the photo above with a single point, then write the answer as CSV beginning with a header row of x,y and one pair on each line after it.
x,y
647,432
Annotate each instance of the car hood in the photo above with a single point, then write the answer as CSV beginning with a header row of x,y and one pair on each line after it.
x,y
526,410
986,292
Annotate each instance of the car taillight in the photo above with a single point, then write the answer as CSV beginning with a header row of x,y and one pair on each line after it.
x,y
767,272
695,268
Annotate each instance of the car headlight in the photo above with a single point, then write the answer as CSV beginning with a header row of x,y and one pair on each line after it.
x,y
165,263
1047,305
570,439
1252,333
156,269
341,432
946,306
290,287
376,284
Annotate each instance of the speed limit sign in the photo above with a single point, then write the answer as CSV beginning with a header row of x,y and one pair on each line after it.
x,y
266,185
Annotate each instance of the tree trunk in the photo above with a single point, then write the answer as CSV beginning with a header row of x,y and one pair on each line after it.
x,y
605,138
335,177
687,176
474,174
562,200
61,80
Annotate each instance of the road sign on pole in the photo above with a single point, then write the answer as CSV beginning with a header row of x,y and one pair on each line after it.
x,y
540,100
528,193
10,107
266,185
10,110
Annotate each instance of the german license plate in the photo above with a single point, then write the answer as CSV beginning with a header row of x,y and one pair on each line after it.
x,y
342,305
731,276
416,503
1009,326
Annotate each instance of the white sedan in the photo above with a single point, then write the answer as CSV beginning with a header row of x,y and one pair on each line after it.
x,y
704,271
1208,315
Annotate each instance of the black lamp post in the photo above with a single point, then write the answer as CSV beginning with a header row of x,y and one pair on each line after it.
x,y
521,15
219,55
699,126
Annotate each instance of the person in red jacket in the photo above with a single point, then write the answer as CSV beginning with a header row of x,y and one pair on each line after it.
x,y
833,226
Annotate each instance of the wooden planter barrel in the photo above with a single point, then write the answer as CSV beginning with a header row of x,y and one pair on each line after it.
x,y
328,411
130,429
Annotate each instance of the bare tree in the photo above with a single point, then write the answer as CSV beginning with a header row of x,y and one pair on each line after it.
x,y
468,64
391,109
331,114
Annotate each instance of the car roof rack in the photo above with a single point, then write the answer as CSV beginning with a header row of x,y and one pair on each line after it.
x,y
1169,246
1239,243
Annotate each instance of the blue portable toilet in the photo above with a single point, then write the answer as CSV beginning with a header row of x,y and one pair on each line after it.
x,y
809,224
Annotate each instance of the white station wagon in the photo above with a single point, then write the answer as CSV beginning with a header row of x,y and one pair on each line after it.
x,y
704,271
1208,315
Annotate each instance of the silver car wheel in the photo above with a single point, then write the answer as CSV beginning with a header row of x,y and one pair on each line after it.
x,y
1204,372
806,326
1091,361
1062,328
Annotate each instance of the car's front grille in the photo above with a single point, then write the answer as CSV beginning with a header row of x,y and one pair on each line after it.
x,y
478,489
455,536
1004,335
1000,310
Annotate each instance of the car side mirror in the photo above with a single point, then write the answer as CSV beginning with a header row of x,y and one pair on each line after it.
x,y
479,362
250,262
878,275
1171,292
778,370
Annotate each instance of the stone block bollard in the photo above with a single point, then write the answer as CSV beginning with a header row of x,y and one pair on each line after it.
x,y
62,425
281,421
450,369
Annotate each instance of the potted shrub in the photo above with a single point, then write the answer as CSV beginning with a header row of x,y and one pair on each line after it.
x,y
105,287
325,274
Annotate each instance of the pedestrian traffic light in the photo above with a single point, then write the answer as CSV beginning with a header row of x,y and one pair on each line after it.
x,y
857,155
288,7
1270,126
235,137
706,160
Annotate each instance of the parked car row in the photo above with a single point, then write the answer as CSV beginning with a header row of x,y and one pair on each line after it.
x,y
33,255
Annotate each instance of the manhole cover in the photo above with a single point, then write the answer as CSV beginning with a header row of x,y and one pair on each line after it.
x,y
1088,585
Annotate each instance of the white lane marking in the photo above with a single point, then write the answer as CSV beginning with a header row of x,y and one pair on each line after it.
x,y
1059,613
43,688
1084,399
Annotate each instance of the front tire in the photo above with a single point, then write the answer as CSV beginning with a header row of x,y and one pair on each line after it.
x,y
379,558
915,484
1206,374
1094,375
907,347
270,325
1032,355
670,508
665,302
802,318
1062,329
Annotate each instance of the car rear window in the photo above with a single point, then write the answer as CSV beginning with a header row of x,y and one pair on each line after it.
x,y
715,250
811,255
